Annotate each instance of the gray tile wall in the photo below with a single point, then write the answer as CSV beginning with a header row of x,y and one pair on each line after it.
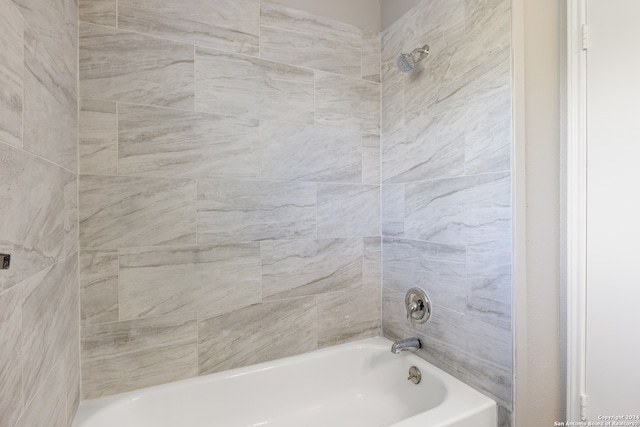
x,y
39,294
229,196
446,195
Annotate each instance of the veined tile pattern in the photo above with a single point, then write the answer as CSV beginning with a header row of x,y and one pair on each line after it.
x,y
49,314
50,106
228,338
372,263
98,137
101,12
131,211
43,411
39,301
11,72
254,88
393,212
55,26
371,159
425,148
300,38
438,269
230,25
154,281
310,267
255,210
446,193
469,211
123,356
348,210
488,135
11,401
489,285
310,153
340,320
32,227
167,142
347,103
202,165
483,362
98,287
371,56
117,65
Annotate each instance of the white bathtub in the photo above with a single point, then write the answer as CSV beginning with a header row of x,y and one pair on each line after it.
x,y
361,384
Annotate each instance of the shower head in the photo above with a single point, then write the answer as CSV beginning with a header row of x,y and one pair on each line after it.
x,y
407,61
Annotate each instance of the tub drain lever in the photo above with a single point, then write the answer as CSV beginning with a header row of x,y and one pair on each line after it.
x,y
414,375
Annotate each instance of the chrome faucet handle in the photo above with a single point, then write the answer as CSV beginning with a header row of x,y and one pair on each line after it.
x,y
418,306
414,307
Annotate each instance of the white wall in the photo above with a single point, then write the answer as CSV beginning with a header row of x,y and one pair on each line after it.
x,y
544,52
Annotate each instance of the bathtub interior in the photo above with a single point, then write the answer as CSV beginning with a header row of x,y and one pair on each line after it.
x,y
356,385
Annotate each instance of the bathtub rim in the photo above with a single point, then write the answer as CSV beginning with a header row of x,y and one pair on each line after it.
x,y
467,400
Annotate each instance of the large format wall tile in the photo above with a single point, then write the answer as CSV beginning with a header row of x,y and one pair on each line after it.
x,y
292,36
392,211
425,148
121,66
348,210
101,12
489,285
240,211
11,46
167,142
372,263
49,315
230,25
392,103
98,137
487,139
438,269
347,103
310,153
98,287
153,281
310,267
470,211
483,361
43,410
347,316
32,218
228,338
70,214
50,106
10,351
446,184
254,88
55,25
130,211
371,56
122,356
371,159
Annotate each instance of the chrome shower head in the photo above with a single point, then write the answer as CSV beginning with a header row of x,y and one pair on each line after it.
x,y
407,61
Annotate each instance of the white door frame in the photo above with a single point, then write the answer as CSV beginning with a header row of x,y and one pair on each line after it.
x,y
576,204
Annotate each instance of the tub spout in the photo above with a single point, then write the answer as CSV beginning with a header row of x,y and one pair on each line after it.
x,y
410,344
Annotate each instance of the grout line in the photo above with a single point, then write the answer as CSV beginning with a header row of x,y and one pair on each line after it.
x,y
117,159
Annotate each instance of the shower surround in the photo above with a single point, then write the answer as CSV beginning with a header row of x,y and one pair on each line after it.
x,y
229,189
232,177
446,188
39,322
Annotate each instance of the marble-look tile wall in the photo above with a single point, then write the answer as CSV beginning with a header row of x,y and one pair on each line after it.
x,y
39,293
446,192
229,196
